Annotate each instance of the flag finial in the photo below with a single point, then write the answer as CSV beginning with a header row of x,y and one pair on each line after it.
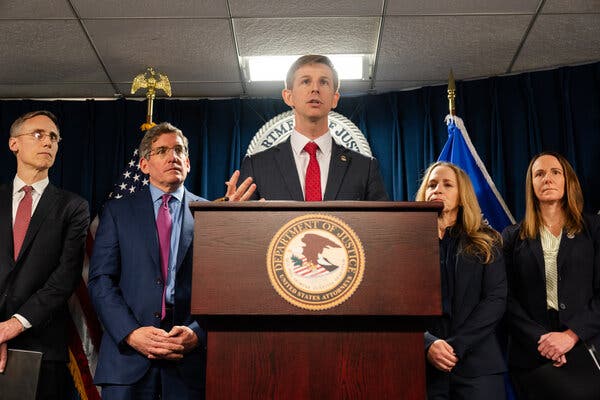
x,y
152,81
451,94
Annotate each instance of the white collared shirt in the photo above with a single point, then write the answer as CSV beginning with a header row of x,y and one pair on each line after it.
x,y
301,157
18,194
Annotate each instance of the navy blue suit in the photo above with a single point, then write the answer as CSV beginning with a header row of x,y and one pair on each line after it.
x,y
352,176
126,288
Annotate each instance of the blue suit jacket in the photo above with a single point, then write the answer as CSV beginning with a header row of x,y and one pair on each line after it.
x,y
352,176
126,287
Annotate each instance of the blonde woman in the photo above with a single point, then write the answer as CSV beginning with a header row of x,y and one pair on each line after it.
x,y
553,267
464,359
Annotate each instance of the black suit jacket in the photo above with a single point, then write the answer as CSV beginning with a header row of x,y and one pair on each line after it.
x,y
478,306
578,265
352,176
38,284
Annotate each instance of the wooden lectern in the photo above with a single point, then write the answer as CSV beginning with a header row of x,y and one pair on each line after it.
x,y
262,346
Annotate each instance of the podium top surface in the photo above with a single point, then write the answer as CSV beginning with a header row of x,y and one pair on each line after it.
x,y
319,205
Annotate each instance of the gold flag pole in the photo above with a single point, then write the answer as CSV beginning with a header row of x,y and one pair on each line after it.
x,y
451,94
152,81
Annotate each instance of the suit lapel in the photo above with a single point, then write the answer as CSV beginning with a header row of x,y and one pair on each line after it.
x,y
6,231
338,165
187,230
462,277
46,203
287,167
535,245
144,215
564,251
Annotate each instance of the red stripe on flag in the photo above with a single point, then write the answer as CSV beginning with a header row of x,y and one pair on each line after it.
x,y
76,347
91,319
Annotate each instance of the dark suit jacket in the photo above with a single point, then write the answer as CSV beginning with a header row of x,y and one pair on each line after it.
x,y
479,304
126,287
38,284
352,176
578,290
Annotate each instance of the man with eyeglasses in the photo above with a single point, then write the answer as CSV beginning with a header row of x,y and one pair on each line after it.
x,y
42,240
141,276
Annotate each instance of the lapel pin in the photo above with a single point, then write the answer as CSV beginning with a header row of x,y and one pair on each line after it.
x,y
343,158
570,236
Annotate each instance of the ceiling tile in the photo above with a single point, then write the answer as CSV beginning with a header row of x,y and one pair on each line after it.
x,y
425,48
571,6
436,7
47,51
270,90
313,8
151,8
354,87
557,40
35,9
184,50
58,90
283,36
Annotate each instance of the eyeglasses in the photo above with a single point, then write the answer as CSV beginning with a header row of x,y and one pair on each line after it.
x,y
39,136
162,151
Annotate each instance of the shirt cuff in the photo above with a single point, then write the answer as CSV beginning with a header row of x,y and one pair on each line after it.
x,y
23,321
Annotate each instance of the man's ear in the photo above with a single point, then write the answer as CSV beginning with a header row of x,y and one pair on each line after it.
x,y
286,94
336,98
13,144
144,166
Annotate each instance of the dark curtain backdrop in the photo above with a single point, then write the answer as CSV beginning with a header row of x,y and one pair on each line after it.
x,y
509,120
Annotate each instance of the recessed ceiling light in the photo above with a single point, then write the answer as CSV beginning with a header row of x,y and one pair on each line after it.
x,y
274,68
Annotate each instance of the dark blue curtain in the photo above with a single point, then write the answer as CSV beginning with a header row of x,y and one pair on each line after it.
x,y
509,120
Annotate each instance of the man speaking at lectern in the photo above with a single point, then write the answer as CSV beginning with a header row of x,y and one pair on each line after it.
x,y
309,165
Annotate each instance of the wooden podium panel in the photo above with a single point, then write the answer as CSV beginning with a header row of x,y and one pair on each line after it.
x,y
260,346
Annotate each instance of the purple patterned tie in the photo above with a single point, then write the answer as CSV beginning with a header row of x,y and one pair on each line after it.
x,y
164,224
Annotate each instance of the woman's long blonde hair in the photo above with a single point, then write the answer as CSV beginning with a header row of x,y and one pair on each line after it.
x,y
572,201
480,237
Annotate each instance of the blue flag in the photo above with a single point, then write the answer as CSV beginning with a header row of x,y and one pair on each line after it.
x,y
459,150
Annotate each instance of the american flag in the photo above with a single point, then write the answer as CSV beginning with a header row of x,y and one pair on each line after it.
x,y
304,268
132,179
85,330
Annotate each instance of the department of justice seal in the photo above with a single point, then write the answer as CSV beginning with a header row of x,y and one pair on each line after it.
x,y
278,128
315,261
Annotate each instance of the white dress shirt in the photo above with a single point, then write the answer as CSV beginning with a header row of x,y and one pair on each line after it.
x,y
301,157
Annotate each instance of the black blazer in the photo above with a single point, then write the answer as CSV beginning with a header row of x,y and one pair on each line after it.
x,y
479,304
578,290
352,176
38,284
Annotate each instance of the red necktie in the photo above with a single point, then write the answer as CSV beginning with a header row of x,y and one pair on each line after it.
x,y
22,219
312,183
163,225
